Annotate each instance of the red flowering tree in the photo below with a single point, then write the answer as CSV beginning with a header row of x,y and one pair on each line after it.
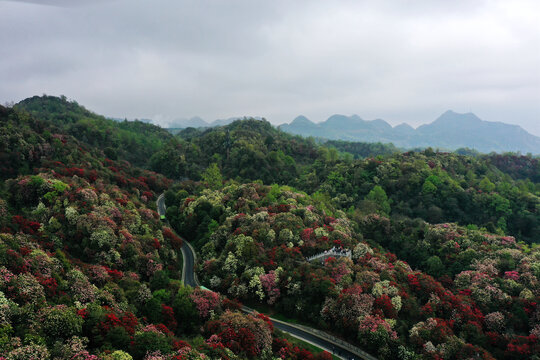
x,y
243,334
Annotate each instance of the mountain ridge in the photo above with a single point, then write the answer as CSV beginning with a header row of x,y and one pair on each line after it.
x,y
451,130
198,122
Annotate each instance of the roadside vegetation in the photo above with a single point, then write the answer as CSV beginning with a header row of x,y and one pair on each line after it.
x,y
445,258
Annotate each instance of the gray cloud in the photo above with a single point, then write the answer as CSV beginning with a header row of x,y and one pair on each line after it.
x,y
397,60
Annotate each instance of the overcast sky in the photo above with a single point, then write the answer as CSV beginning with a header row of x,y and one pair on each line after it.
x,y
402,61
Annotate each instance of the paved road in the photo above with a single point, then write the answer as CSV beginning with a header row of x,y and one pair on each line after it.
x,y
312,338
301,332
161,204
188,274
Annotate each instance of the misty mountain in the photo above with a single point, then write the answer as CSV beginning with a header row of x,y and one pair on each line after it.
x,y
197,122
223,122
147,121
449,131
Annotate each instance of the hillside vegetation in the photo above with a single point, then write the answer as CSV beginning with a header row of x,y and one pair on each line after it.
x,y
134,141
495,192
439,291
445,258
88,271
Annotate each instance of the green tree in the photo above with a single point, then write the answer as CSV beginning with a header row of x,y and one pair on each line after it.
x,y
61,322
429,188
117,355
212,176
117,338
434,266
500,205
332,155
148,342
378,196
184,310
486,185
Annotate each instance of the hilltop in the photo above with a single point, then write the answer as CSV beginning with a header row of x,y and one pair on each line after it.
x,y
134,141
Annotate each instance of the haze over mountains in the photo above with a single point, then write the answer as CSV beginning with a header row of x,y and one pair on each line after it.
x,y
198,122
449,131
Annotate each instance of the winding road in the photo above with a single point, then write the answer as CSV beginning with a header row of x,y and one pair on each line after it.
x,y
325,341
188,253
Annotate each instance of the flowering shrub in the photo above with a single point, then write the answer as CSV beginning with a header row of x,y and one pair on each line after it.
x,y
98,274
269,283
60,322
25,225
168,317
495,321
175,240
29,352
117,355
242,334
513,275
127,320
29,289
348,308
79,286
205,301
75,349
188,353
373,324
5,276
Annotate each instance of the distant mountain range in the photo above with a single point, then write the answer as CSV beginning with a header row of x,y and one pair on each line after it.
x,y
148,121
198,122
449,131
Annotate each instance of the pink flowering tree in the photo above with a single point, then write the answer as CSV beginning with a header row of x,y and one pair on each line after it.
x,y
376,334
348,307
269,283
205,301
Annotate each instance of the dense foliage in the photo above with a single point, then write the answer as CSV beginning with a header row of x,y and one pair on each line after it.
x,y
362,149
134,141
88,271
445,261
474,294
495,192
245,150
437,187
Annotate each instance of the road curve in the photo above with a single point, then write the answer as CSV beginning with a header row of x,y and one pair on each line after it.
x,y
337,347
315,337
188,253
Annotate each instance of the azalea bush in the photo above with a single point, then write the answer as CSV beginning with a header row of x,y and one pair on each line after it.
x,y
473,285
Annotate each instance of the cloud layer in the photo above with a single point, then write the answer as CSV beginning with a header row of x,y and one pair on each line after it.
x,y
397,60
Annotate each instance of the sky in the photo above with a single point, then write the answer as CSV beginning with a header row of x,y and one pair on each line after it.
x,y
401,61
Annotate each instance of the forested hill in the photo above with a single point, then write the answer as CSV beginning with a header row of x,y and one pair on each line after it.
x,y
134,141
445,259
87,269
246,149
496,192
362,149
